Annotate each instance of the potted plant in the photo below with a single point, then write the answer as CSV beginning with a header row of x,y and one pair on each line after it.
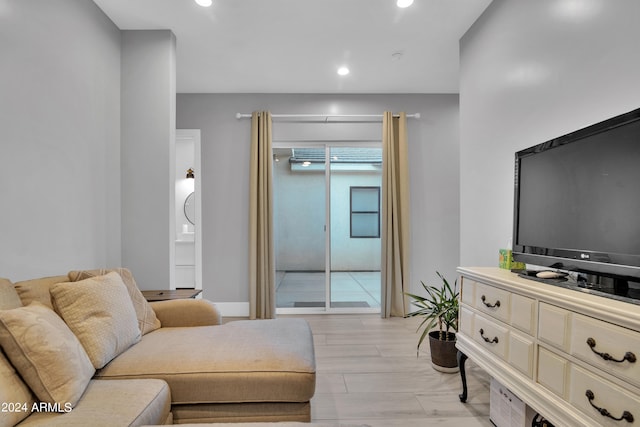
x,y
439,308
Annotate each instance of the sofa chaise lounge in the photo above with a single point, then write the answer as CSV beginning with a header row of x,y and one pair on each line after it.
x,y
130,362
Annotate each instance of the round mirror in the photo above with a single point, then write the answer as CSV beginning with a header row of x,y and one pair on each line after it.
x,y
190,208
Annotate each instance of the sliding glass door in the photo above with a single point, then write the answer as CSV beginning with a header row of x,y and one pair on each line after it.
x,y
299,221
327,227
355,179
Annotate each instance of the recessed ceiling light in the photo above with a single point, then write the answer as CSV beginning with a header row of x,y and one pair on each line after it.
x,y
404,3
204,3
574,10
343,71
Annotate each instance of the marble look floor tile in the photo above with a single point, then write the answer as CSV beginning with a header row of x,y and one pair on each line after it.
x,y
319,339
423,422
368,375
370,364
369,337
335,325
365,405
404,349
408,325
448,405
355,351
330,383
392,382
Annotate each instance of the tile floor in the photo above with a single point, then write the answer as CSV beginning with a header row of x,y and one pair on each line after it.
x,y
368,374
348,288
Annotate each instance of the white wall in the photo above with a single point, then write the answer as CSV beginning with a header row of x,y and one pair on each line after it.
x,y
532,71
352,253
60,142
434,173
148,170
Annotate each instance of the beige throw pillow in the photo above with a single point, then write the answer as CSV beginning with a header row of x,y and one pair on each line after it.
x,y
45,352
37,289
15,396
99,311
8,296
147,320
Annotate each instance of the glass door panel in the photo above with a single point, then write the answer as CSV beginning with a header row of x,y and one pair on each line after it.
x,y
299,191
355,196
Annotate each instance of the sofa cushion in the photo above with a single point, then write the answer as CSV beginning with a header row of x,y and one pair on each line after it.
x,y
8,295
38,289
45,352
99,311
187,312
113,403
147,320
13,392
241,361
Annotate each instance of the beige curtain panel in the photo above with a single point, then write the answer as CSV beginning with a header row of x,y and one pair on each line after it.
x,y
261,254
395,215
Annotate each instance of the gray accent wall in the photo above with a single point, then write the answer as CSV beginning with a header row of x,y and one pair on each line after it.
x,y
88,128
60,138
532,71
434,173
148,153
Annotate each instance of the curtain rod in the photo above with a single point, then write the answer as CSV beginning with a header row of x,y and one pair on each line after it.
x,y
326,116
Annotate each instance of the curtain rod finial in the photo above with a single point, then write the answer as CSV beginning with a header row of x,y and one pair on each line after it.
x,y
238,116
416,115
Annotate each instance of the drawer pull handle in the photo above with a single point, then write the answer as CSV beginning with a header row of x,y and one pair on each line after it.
x,y
626,415
497,304
494,340
628,356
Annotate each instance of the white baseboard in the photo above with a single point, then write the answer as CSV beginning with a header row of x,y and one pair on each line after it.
x,y
233,309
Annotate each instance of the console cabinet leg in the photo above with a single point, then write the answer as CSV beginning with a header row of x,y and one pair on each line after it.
x,y
462,358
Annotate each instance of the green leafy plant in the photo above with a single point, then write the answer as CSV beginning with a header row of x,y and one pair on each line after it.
x,y
439,307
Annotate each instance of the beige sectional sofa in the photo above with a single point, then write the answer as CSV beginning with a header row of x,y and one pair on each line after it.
x,y
87,349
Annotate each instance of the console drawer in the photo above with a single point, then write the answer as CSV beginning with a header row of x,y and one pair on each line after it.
x,y
491,336
465,324
604,395
521,353
523,311
552,371
590,336
493,301
467,291
553,326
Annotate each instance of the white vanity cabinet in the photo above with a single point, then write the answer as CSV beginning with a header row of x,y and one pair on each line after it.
x,y
569,355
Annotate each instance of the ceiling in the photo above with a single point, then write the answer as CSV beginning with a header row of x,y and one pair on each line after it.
x,y
296,46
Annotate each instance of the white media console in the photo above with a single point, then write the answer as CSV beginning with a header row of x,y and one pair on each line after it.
x,y
569,355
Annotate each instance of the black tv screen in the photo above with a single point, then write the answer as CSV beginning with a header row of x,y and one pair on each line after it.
x,y
577,200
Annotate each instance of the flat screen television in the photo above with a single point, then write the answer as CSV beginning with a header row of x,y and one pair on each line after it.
x,y
577,204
